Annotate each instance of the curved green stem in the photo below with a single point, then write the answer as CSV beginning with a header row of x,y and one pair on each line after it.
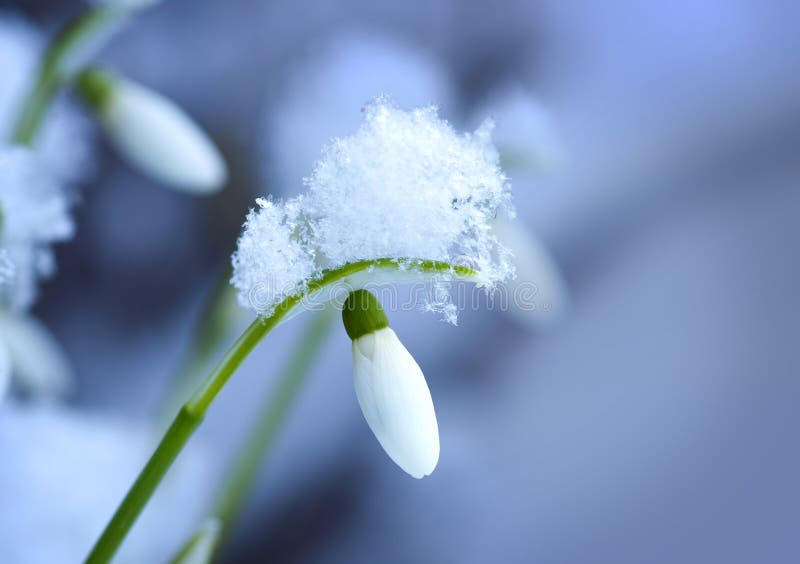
x,y
193,411
85,33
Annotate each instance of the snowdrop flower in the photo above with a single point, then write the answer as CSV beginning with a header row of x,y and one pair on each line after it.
x,y
405,188
403,193
391,388
153,133
322,96
64,144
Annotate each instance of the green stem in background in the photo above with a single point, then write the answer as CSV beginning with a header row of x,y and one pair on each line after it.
x,y
202,546
214,324
76,41
244,470
192,413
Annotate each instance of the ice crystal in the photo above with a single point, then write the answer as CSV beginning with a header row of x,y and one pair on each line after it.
x,y
35,213
405,185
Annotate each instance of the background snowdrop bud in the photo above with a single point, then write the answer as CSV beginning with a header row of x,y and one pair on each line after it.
x,y
153,133
538,296
37,361
391,388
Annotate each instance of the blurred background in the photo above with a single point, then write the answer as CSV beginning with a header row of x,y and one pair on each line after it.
x,y
653,420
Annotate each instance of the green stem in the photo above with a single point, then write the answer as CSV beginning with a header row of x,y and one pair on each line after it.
x,y
201,547
193,411
58,63
244,470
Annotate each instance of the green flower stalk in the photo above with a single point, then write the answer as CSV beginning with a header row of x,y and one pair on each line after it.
x,y
244,470
220,313
202,546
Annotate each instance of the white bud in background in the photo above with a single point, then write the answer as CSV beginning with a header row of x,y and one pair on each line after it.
x,y
36,360
154,134
538,296
391,388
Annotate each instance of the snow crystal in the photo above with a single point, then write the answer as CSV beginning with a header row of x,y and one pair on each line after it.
x,y
274,258
35,213
404,186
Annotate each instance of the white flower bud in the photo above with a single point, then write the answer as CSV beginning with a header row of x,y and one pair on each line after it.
x,y
396,401
154,134
35,357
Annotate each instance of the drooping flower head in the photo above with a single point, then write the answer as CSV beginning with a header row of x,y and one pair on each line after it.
x,y
406,186
390,387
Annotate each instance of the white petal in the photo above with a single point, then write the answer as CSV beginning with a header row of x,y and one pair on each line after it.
x,y
162,140
538,295
38,363
396,401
